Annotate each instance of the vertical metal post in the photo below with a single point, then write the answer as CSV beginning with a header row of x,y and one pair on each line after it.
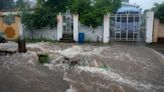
x,y
120,25
115,26
139,29
134,23
127,27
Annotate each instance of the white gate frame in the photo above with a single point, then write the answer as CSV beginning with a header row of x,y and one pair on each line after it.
x,y
149,26
106,31
75,27
59,26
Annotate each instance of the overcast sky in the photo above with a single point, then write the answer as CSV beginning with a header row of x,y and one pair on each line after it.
x,y
145,4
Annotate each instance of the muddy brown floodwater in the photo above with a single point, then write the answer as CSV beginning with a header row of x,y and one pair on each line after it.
x,y
82,68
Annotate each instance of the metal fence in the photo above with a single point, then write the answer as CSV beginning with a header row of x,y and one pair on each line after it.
x,y
127,27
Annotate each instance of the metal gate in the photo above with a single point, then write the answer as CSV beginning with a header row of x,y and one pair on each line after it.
x,y
68,23
127,27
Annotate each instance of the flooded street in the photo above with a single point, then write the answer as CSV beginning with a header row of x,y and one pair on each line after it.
x,y
81,68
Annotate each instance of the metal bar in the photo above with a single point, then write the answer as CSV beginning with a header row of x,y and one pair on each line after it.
x,y
134,22
139,31
115,26
127,27
120,26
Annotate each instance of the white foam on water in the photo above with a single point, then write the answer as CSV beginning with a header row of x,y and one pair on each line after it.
x,y
116,77
71,89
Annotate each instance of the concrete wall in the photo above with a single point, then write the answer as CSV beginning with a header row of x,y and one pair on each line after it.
x,y
149,26
161,30
92,34
13,32
158,30
45,33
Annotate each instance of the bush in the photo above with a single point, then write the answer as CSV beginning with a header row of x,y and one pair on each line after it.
x,y
43,58
91,12
40,17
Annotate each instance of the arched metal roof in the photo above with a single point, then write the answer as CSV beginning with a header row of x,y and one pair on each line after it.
x,y
128,9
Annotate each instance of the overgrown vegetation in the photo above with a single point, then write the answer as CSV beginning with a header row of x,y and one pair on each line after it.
x,y
159,11
91,12
43,58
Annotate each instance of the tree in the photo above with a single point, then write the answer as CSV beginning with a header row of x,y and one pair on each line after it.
x,y
159,11
92,11
20,4
6,4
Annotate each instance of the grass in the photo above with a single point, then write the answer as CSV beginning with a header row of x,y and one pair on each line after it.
x,y
105,67
43,58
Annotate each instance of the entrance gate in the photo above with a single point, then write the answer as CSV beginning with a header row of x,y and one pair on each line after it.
x,y
67,35
127,27
68,23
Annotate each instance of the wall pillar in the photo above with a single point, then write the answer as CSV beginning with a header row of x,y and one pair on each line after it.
x,y
21,31
106,33
149,26
156,29
59,26
75,27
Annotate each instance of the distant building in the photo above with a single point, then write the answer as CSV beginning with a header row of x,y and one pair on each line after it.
x,y
127,8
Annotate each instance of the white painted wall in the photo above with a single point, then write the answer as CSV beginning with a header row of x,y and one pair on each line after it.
x,y
75,27
59,27
106,33
149,26
92,34
45,33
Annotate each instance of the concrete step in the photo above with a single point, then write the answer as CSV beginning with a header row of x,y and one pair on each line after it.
x,y
67,40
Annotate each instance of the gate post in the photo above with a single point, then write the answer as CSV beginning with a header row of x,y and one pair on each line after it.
x,y
149,26
75,27
106,33
21,32
59,26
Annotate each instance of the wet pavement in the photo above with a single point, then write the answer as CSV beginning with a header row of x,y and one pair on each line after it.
x,y
82,68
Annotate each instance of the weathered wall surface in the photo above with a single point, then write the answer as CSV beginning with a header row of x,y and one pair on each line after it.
x,y
11,31
92,34
158,30
161,31
45,33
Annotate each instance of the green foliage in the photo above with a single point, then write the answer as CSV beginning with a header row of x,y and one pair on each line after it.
x,y
59,5
91,13
20,4
43,58
105,67
159,11
39,18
